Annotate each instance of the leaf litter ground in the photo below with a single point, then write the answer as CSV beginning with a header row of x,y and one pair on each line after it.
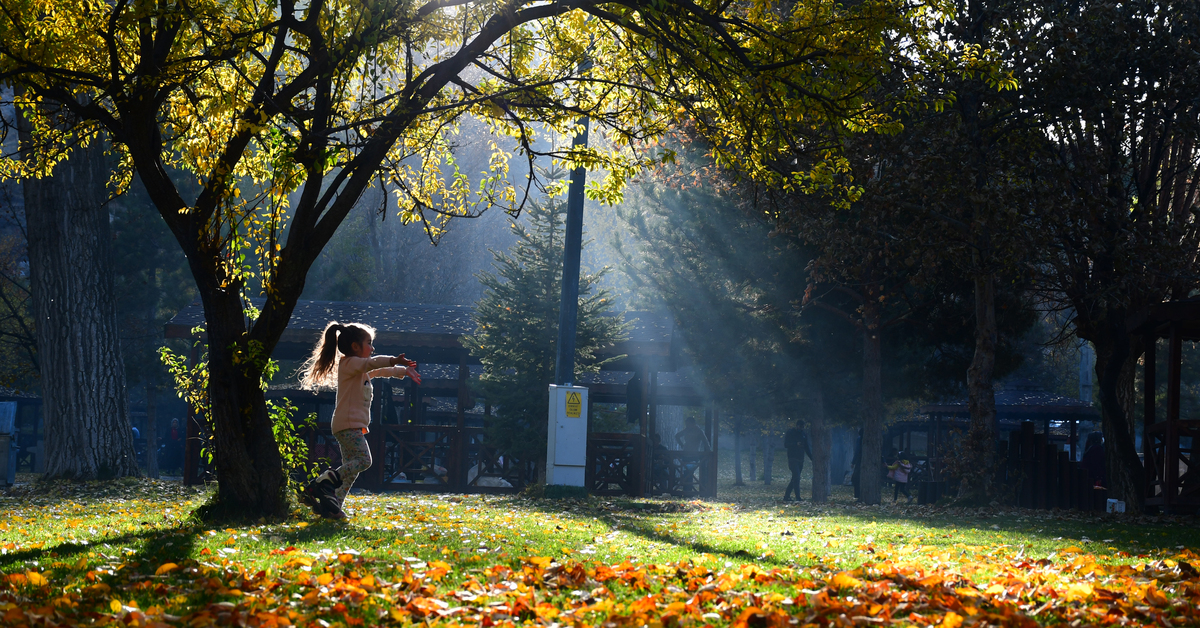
x,y
127,553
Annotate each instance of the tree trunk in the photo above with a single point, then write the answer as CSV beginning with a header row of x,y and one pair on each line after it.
x,y
88,434
870,478
981,397
768,460
1126,476
250,480
819,442
754,442
151,430
737,452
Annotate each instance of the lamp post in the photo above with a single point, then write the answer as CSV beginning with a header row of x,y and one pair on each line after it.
x,y
568,310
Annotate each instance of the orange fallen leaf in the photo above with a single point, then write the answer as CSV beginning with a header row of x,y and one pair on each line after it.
x,y
843,580
165,568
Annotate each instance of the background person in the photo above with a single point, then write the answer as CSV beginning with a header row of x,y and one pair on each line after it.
x,y
1093,459
898,472
795,441
691,438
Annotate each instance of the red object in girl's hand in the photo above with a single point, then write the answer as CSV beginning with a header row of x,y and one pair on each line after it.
x,y
405,362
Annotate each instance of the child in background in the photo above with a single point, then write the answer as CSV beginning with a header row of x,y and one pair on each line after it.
x,y
898,472
352,411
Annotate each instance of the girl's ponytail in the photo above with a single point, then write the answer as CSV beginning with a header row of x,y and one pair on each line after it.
x,y
318,368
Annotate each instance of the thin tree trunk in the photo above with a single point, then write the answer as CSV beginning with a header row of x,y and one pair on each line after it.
x,y
754,457
88,434
1126,476
870,478
768,459
820,443
737,452
981,398
151,430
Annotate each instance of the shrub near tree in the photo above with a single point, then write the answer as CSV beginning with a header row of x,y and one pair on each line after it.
x,y
517,331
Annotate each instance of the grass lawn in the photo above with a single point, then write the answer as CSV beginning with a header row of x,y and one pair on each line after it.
x,y
128,552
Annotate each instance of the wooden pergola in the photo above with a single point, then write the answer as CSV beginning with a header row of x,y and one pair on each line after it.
x,y
1171,481
440,423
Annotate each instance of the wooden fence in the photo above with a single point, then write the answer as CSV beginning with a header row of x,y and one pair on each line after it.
x,y
1042,475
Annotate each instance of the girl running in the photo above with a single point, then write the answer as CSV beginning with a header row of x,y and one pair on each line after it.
x,y
353,371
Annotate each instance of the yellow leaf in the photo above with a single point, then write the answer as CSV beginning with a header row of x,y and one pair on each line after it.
x,y
1070,550
324,578
951,620
437,564
165,568
115,605
540,561
843,580
368,581
995,589
1078,591
36,579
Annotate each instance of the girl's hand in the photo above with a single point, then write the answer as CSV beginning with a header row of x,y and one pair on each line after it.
x,y
412,373
400,360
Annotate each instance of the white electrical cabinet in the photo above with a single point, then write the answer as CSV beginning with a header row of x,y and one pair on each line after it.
x,y
566,446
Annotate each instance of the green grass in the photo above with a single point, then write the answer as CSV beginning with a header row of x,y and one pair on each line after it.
x,y
116,547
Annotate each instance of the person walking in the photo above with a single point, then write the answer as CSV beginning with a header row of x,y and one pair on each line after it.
x,y
353,372
795,441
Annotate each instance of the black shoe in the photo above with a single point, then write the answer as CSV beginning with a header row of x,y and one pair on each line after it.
x,y
329,508
313,500
320,495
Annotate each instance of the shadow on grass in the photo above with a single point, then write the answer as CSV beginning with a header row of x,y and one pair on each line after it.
x,y
171,544
1047,530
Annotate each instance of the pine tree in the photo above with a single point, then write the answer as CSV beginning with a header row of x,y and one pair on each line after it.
x,y
517,331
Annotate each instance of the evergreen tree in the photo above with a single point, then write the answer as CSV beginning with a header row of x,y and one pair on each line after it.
x,y
517,331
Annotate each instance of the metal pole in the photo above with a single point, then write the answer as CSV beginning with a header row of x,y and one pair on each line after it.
x,y
568,309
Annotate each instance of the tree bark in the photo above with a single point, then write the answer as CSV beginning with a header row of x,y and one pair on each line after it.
x,y
980,445
250,480
754,448
870,479
819,442
1126,476
768,459
151,430
737,452
88,434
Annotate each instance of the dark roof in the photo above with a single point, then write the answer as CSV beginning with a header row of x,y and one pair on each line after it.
x,y
401,326
12,393
1021,396
313,316
1157,319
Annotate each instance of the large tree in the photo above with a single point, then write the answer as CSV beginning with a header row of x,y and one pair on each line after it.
x,y
304,106
86,410
1123,155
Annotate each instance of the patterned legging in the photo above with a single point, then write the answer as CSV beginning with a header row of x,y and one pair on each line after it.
x,y
356,458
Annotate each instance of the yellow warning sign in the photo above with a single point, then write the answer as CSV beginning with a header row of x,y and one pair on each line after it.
x,y
574,405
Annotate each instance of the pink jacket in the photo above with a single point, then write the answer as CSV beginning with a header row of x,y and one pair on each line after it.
x,y
352,410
